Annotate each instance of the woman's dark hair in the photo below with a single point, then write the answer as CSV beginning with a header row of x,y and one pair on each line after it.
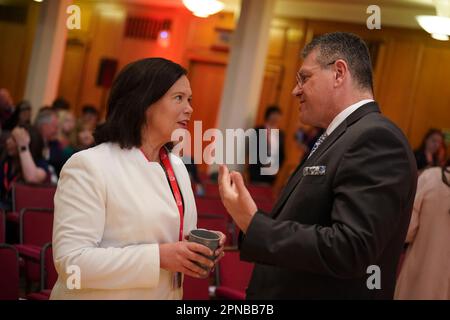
x,y
13,120
429,133
138,85
271,110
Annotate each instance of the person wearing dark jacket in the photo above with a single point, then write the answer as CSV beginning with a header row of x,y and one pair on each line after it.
x,y
269,143
338,228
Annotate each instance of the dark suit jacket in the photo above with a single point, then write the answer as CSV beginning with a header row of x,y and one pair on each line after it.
x,y
325,230
254,170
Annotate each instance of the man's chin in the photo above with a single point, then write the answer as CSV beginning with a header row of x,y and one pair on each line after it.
x,y
304,119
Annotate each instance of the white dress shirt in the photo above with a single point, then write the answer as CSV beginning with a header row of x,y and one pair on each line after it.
x,y
344,114
112,210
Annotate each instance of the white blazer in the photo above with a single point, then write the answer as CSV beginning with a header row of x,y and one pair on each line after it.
x,y
112,209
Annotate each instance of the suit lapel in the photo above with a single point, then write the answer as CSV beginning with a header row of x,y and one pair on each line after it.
x,y
298,174
328,142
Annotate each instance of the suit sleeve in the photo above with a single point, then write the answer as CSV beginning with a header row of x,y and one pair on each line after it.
x,y
79,221
371,188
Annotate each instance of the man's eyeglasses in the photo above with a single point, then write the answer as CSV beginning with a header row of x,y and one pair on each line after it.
x,y
302,78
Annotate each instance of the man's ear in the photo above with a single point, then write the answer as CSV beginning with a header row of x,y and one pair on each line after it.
x,y
341,71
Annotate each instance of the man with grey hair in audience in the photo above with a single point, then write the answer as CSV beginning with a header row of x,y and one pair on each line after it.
x,y
46,123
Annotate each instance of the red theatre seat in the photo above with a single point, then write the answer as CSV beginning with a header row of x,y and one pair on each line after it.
x,y
2,226
195,289
48,274
30,196
9,273
210,206
35,231
234,276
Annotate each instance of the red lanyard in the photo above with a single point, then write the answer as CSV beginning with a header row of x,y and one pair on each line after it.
x,y
165,161
6,182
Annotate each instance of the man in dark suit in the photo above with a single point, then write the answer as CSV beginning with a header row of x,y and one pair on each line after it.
x,y
338,228
272,118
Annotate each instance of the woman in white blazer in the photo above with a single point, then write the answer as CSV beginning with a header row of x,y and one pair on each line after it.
x,y
116,232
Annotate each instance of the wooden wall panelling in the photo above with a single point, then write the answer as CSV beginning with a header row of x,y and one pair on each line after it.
x,y
207,81
396,81
76,58
291,61
431,100
106,43
13,36
270,91
73,72
16,46
277,42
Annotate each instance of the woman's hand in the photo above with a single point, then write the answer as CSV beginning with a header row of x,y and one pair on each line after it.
x,y
180,257
219,251
21,137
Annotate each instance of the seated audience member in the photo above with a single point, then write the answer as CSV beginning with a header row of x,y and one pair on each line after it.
x,y
67,135
6,106
20,117
47,125
89,118
306,139
85,139
21,161
193,174
272,118
60,104
425,272
431,152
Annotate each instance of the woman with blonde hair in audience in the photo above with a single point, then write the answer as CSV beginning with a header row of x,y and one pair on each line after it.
x,y
67,135
425,272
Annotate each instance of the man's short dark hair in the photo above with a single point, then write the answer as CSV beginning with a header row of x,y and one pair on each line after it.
x,y
60,104
346,46
136,88
89,109
271,110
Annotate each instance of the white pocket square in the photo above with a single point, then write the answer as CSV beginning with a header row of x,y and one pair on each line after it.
x,y
314,171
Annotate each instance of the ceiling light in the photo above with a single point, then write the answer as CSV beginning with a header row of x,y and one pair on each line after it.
x,y
435,24
204,8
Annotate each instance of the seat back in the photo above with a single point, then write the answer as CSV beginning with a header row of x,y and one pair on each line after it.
x,y
36,226
260,192
212,190
265,205
32,196
195,289
234,273
9,272
212,222
2,226
48,271
210,206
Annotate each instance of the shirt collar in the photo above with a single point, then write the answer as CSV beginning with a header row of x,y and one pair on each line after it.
x,y
344,114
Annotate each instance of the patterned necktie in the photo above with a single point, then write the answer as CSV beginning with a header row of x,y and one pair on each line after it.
x,y
318,143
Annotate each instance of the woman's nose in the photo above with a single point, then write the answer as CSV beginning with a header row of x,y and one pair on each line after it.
x,y
189,109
